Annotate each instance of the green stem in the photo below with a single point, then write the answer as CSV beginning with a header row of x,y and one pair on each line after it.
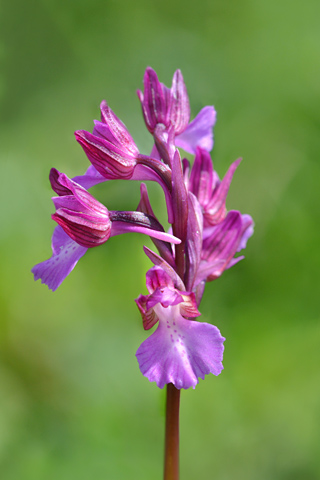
x,y
171,453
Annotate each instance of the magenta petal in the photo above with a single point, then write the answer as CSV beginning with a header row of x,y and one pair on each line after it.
x,y
149,317
66,254
158,278
115,131
247,230
180,351
179,105
199,132
153,100
91,178
215,209
80,215
202,177
159,261
112,161
166,296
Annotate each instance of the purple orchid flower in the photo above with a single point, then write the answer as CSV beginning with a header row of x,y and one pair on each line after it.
x,y
214,236
167,108
181,350
222,243
202,242
110,148
87,224
115,156
210,191
113,153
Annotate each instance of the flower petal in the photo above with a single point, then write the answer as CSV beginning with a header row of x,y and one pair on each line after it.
x,y
112,128
215,210
199,132
202,177
149,317
66,254
247,230
166,296
153,100
180,351
112,162
219,248
179,106
91,178
81,216
159,261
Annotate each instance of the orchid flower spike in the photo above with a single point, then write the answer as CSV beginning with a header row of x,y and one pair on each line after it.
x,y
203,239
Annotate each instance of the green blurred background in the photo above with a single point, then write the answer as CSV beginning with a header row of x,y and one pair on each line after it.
x,y
73,404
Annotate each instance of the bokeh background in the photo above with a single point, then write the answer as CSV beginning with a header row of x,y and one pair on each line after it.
x,y
73,404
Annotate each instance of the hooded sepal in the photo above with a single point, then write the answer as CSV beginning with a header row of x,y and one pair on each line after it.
x,y
80,215
179,114
162,290
161,105
154,100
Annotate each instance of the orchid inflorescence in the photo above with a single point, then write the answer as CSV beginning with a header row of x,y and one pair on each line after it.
x,y
202,242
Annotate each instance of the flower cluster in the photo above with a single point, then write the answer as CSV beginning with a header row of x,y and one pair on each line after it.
x,y
200,245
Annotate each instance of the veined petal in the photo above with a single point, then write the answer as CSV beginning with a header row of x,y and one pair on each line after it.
x,y
202,177
86,230
112,162
199,132
153,100
224,239
149,317
80,215
66,254
166,296
159,261
180,351
162,287
157,277
115,131
219,247
215,210
179,114
188,307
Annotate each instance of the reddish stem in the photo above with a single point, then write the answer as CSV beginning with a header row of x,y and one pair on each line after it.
x,y
171,454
